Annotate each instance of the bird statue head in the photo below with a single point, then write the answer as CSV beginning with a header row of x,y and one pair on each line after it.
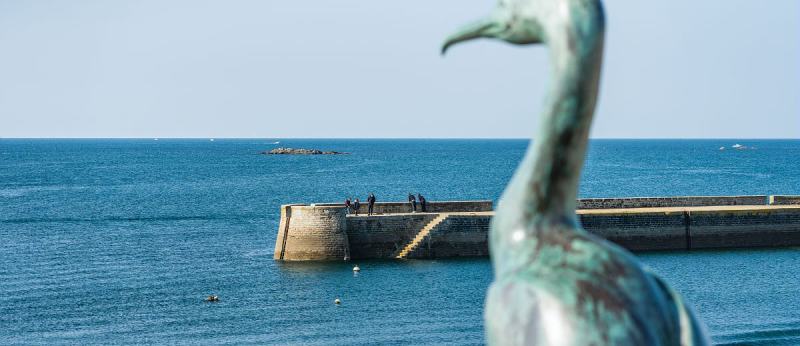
x,y
506,23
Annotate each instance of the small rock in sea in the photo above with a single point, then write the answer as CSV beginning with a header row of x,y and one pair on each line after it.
x,y
290,151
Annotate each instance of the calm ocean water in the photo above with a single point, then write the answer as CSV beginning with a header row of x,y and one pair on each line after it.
x,y
117,242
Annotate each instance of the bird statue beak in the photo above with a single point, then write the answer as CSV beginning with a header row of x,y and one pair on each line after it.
x,y
482,28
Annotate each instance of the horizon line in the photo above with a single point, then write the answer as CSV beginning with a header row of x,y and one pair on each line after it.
x,y
415,138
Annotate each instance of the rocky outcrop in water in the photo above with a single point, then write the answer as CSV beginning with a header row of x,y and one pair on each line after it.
x,y
290,151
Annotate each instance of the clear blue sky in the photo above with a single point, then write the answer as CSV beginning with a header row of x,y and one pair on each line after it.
x,y
365,68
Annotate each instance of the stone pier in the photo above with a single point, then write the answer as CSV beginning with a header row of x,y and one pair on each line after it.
x,y
461,228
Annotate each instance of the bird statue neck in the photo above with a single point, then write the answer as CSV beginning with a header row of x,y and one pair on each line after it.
x,y
560,147
546,183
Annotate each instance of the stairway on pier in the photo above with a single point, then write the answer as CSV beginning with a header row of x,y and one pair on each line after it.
x,y
421,236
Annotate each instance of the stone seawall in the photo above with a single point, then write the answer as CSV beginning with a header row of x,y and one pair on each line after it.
x,y
642,230
312,233
431,207
456,236
452,229
752,227
661,202
784,200
383,236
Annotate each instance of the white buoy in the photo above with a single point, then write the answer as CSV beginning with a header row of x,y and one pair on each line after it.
x,y
356,268
337,301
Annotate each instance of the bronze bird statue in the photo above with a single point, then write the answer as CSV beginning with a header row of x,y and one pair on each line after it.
x,y
556,284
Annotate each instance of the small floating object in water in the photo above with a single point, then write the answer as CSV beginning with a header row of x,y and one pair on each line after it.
x,y
356,268
212,139
155,139
212,299
737,145
721,148
337,301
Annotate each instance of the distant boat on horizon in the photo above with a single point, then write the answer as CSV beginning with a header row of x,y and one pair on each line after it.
x,y
155,139
212,139
737,145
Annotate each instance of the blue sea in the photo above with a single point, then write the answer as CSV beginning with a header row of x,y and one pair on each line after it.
x,y
117,241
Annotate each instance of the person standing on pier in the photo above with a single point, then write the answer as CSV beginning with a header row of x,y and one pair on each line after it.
x,y
370,203
347,206
356,205
422,202
413,202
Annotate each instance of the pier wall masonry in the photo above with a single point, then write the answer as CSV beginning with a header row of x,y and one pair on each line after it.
x,y
645,230
431,207
323,231
456,236
312,233
661,202
734,228
383,236
784,200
